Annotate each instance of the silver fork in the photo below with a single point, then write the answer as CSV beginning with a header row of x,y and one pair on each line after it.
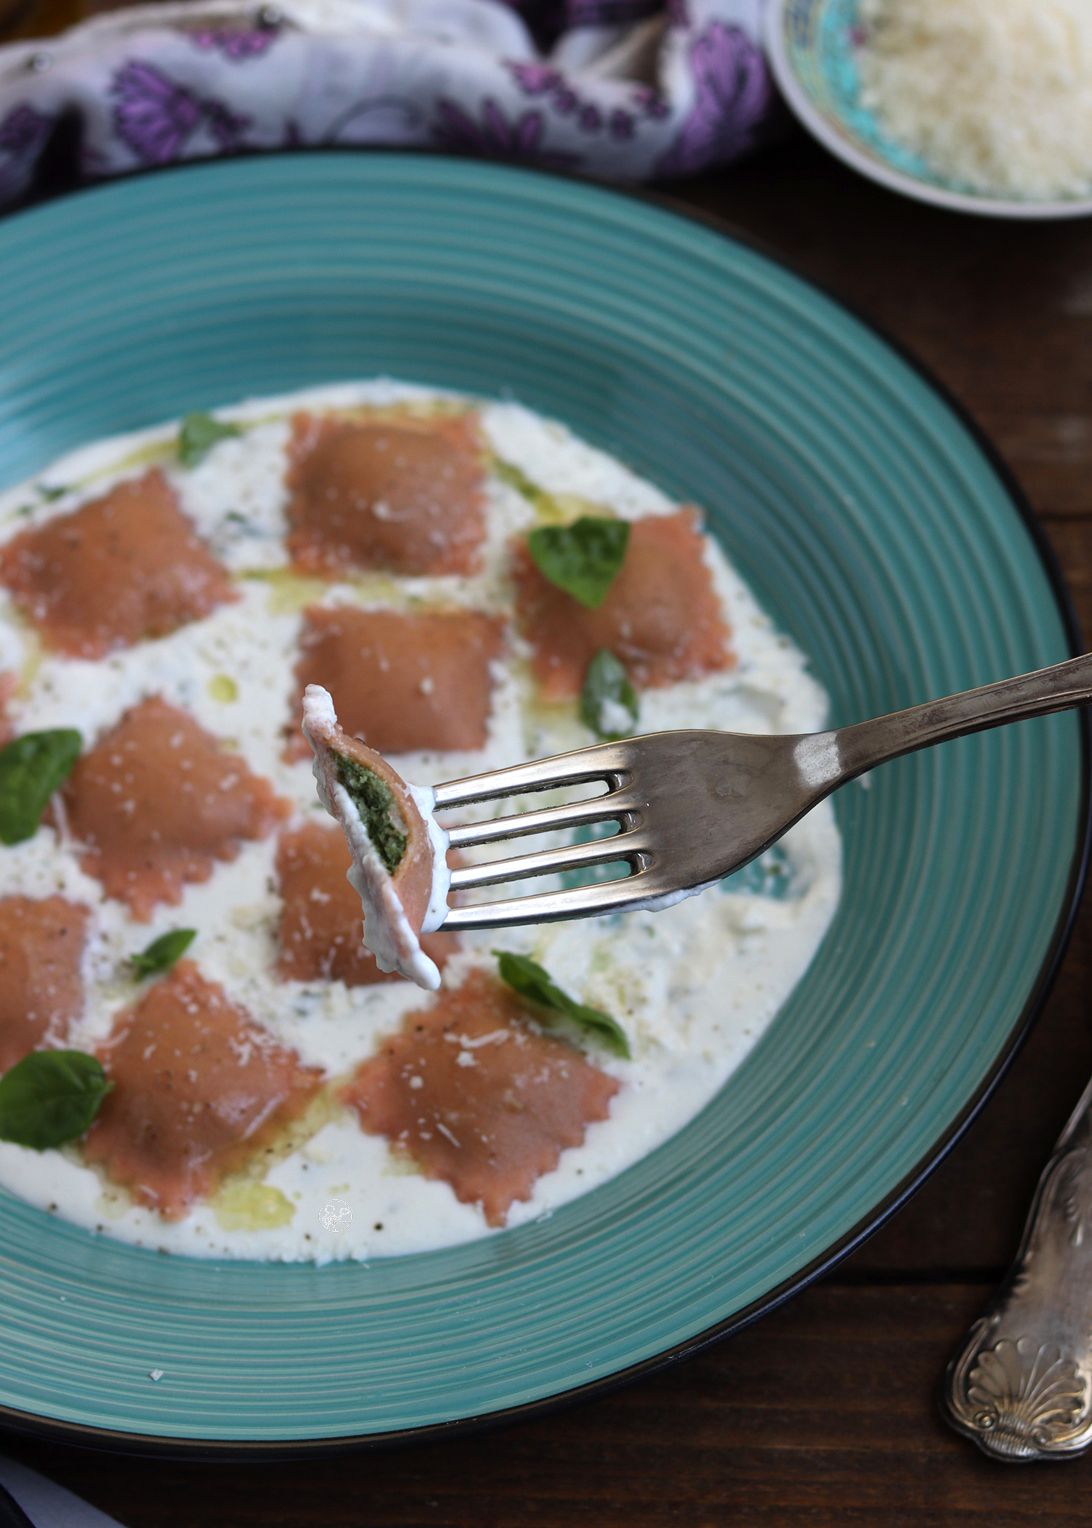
x,y
691,807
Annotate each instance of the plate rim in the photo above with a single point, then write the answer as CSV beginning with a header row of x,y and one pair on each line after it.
x,y
196,1449
879,170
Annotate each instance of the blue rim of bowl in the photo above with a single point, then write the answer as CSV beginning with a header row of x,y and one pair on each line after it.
x,y
879,170
195,1450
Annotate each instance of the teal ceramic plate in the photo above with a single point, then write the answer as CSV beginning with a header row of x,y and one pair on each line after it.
x,y
811,45
871,524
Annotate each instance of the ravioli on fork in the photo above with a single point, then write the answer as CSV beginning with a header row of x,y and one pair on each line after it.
x,y
399,851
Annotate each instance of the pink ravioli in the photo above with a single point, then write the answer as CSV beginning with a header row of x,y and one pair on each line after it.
x,y
198,1089
661,618
319,936
41,989
9,683
478,1097
158,801
125,566
402,682
403,497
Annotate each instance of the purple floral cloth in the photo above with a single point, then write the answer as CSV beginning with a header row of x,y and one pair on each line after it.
x,y
616,89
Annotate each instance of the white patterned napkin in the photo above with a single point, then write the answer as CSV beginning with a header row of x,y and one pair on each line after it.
x,y
616,89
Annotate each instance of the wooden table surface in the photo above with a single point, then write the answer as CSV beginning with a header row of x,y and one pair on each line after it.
x,y
826,1411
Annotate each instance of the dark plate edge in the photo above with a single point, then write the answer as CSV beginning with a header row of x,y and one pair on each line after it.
x,y
205,1450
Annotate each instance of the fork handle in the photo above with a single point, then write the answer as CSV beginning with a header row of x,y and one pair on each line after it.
x,y
1058,688
1021,1386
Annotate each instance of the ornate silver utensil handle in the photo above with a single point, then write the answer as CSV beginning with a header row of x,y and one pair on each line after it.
x,y
1022,1385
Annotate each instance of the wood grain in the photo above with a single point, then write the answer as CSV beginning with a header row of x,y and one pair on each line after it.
x,y
824,1413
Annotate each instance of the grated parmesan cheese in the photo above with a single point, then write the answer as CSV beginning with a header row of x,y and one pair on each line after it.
x,y
994,95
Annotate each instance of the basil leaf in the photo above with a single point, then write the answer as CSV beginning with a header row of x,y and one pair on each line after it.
x,y
198,435
608,702
582,558
162,953
528,978
50,1097
32,767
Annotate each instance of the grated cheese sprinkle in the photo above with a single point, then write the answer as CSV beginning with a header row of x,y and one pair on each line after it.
x,y
994,95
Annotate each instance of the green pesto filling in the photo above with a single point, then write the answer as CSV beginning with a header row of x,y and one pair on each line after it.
x,y
374,801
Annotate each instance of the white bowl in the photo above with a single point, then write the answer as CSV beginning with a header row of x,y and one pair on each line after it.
x,y
810,47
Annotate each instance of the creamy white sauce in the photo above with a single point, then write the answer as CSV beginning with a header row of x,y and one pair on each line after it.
x,y
424,798
693,985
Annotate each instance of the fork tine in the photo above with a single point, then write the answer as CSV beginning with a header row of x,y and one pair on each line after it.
x,y
574,814
550,906
603,761
622,846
